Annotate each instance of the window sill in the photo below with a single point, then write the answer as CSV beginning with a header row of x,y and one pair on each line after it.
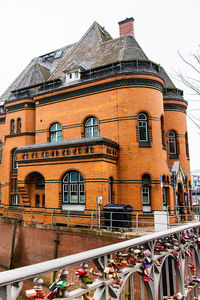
x,y
73,207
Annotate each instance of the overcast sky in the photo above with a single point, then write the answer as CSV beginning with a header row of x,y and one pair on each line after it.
x,y
30,28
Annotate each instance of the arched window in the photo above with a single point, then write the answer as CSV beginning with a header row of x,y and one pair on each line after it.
x,y
73,188
172,142
56,133
162,131
14,160
91,128
142,127
19,125
146,195
0,151
186,145
12,126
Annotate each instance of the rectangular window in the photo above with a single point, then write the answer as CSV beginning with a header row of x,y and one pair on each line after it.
x,y
172,146
88,132
65,193
145,196
74,193
164,195
143,136
15,199
82,193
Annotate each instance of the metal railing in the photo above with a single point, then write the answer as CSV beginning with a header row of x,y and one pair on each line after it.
x,y
134,221
159,267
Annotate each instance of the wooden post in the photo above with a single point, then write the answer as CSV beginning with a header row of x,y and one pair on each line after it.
x,y
55,253
10,265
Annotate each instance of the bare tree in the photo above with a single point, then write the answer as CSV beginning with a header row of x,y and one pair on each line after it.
x,y
192,81
193,62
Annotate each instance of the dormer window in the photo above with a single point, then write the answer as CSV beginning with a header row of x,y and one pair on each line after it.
x,y
72,76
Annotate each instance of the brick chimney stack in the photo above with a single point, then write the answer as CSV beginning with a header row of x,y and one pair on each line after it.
x,y
126,27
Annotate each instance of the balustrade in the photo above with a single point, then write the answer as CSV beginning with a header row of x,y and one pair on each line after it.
x,y
162,265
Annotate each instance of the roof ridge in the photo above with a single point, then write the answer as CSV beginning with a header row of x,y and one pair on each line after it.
x,y
72,50
43,71
97,28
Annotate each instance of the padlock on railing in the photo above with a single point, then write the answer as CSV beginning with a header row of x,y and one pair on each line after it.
x,y
37,291
59,288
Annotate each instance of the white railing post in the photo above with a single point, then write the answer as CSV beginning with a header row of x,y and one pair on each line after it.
x,y
104,256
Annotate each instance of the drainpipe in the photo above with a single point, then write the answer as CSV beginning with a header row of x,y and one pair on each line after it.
x,y
174,187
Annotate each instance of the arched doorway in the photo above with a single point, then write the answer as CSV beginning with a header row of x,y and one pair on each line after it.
x,y
35,187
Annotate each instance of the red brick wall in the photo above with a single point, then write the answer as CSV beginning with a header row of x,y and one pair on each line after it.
x,y
34,245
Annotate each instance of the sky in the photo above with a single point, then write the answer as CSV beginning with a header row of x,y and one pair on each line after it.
x,y
162,28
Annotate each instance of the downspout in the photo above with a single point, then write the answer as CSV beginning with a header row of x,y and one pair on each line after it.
x,y
174,187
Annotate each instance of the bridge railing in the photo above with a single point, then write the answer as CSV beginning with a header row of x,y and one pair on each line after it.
x,y
154,267
98,219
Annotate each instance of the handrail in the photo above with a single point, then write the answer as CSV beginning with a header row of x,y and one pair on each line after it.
x,y
20,274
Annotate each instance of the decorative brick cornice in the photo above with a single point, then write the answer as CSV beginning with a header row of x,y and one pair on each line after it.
x,y
116,84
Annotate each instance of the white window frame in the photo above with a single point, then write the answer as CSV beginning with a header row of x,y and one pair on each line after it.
x,y
91,128
164,196
55,135
172,141
146,190
142,125
19,125
14,199
73,188
14,160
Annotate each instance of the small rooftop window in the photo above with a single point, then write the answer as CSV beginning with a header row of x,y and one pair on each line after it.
x,y
72,76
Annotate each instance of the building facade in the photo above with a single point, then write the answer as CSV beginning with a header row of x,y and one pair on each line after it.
x,y
95,118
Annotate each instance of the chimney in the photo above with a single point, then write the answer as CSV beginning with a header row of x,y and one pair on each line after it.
x,y
126,27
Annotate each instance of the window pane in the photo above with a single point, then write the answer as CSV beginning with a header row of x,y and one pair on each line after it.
x,y
95,121
143,134
145,195
172,146
88,131
74,197
96,131
65,197
164,196
59,137
82,198
66,178
53,137
88,122
142,117
74,176
53,128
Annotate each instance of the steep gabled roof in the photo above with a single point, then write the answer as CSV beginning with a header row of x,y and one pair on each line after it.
x,y
95,49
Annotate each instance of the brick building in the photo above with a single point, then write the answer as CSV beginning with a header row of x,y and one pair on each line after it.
x,y
95,118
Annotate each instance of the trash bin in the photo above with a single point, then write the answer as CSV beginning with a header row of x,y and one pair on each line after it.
x,y
118,215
